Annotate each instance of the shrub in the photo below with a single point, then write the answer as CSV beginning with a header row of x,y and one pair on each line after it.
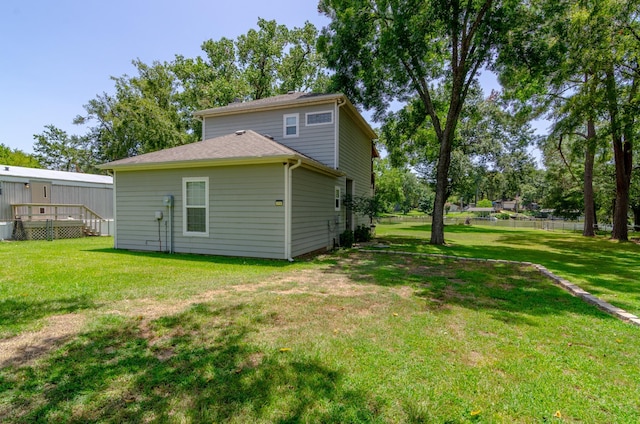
x,y
347,238
484,203
362,234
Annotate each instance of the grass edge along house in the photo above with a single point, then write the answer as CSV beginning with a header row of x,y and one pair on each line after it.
x,y
267,180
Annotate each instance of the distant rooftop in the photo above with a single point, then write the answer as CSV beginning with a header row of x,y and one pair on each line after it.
x,y
46,174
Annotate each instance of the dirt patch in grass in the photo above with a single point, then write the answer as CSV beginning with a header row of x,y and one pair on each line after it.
x,y
29,346
349,277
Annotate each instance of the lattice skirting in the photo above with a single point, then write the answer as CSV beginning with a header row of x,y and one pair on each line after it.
x,y
54,230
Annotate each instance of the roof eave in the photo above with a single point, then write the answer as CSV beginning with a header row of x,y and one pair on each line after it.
x,y
318,167
198,163
244,107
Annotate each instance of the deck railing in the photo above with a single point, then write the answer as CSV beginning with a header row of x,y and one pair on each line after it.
x,y
59,212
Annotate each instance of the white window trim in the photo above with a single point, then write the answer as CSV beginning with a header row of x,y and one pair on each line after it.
x,y
337,200
306,118
186,180
284,125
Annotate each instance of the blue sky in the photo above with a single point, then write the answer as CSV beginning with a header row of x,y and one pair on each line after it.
x,y
55,55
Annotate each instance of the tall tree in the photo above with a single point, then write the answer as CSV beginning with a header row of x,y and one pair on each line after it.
x,y
57,150
397,49
154,109
582,60
143,115
487,141
620,26
17,157
259,54
303,68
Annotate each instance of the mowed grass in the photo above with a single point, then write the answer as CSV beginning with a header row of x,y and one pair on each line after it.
x,y
41,278
605,268
346,337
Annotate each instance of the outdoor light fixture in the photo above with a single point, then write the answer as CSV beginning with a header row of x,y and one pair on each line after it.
x,y
26,185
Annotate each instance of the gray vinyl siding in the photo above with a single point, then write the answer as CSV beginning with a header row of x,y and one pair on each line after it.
x,y
12,192
355,160
97,197
316,141
313,221
243,217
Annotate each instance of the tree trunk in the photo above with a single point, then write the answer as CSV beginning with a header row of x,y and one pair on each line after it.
x,y
589,204
636,217
444,161
622,154
442,182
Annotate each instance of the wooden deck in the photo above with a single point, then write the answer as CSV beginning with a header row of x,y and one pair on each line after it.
x,y
47,221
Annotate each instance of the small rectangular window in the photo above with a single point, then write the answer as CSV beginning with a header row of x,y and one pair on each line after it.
x,y
319,118
338,198
195,192
290,124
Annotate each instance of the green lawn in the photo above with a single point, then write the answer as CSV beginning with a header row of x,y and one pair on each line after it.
x,y
605,268
346,337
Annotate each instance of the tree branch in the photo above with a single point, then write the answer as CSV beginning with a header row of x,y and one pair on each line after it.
x,y
565,160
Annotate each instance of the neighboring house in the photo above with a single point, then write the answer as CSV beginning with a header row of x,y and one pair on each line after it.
x,y
68,200
481,211
509,205
268,180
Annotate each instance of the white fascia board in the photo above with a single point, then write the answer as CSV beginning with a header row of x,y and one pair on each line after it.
x,y
252,160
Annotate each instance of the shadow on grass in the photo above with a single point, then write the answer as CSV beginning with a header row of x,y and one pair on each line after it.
x,y
198,366
16,313
509,293
607,266
223,260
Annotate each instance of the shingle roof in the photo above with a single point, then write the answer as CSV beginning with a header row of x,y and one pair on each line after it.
x,y
247,146
270,102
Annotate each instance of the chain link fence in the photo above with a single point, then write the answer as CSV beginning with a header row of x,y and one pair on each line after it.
x,y
533,223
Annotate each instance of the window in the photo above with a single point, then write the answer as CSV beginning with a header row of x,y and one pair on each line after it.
x,y
319,118
290,123
195,192
338,198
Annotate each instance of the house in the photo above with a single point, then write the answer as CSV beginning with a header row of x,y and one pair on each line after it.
x,y
481,212
53,203
267,180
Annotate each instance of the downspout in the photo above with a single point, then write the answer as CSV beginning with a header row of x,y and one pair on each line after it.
x,y
288,212
115,212
336,147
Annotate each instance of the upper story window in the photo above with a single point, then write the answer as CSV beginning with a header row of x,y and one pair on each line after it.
x,y
319,118
195,192
290,125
